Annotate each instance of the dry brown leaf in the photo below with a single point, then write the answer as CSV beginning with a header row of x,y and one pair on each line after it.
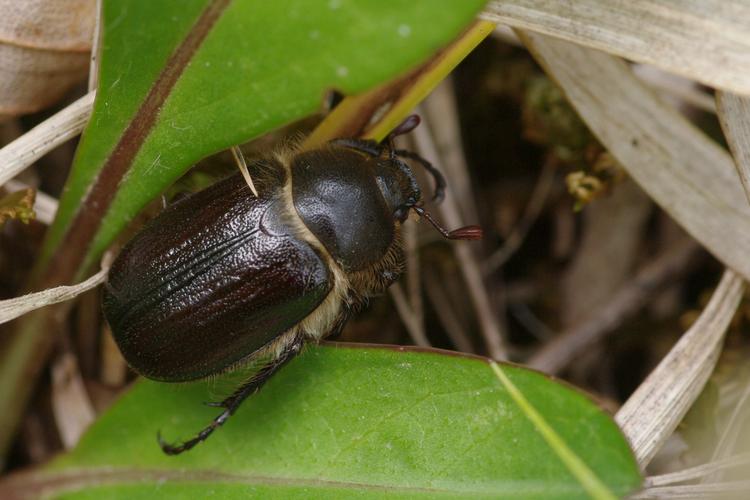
x,y
44,51
704,40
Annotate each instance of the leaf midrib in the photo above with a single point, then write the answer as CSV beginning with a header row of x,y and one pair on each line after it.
x,y
81,230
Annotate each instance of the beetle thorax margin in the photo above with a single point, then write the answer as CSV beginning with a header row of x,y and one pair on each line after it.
x,y
318,322
350,288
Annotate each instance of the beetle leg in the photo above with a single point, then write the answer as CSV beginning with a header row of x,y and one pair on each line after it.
x,y
234,401
338,325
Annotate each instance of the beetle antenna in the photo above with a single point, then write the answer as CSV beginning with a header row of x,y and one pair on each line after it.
x,y
462,233
440,183
410,123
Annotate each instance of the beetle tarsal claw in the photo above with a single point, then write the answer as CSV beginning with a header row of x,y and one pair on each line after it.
x,y
179,447
167,448
242,165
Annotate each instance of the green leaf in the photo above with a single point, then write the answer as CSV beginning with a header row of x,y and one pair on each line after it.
x,y
348,421
180,80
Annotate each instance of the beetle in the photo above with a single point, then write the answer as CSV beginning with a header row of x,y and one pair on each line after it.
x,y
223,278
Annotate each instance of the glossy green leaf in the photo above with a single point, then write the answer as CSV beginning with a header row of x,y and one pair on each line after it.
x,y
224,72
347,421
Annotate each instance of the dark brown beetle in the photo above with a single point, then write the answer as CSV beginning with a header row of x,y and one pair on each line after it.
x,y
223,278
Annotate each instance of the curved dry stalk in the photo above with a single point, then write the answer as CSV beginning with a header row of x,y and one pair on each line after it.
x,y
530,321
410,309
440,112
455,330
410,234
631,297
531,213
55,130
18,306
489,324
407,315
653,412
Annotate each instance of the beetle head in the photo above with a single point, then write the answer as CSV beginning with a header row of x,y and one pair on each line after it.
x,y
402,193
398,185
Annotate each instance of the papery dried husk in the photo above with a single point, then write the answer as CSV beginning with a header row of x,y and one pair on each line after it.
x,y
44,51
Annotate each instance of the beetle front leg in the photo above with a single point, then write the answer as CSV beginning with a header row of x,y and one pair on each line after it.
x,y
338,325
234,401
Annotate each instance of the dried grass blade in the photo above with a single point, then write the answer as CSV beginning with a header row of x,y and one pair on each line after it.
x,y
46,136
728,490
18,306
704,40
491,327
734,115
652,413
572,342
697,472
